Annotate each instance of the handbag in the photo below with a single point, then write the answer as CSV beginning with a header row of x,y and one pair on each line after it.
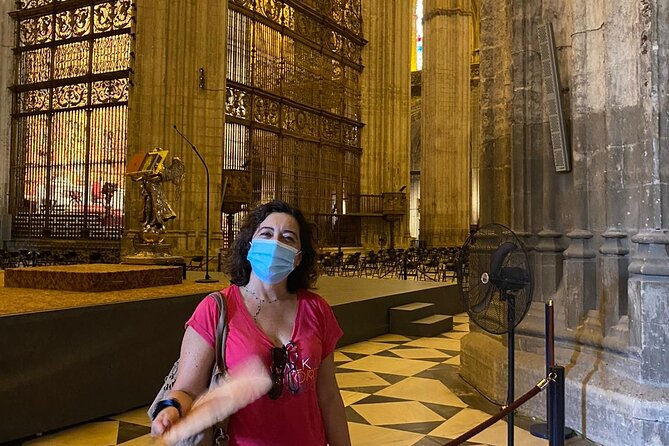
x,y
214,435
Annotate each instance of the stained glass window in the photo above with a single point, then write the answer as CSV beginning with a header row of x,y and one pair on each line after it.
x,y
419,34
69,118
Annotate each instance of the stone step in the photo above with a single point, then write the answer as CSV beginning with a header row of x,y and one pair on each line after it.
x,y
432,325
403,314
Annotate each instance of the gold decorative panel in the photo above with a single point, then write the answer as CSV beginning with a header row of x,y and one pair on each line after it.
x,y
293,104
69,118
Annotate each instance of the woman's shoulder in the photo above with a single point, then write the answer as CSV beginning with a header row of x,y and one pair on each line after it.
x,y
230,291
228,295
311,298
304,293
207,306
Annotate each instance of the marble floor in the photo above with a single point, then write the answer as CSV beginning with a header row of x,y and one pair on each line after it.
x,y
397,391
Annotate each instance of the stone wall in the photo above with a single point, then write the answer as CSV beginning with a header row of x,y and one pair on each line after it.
x,y
386,92
6,80
597,235
446,122
179,79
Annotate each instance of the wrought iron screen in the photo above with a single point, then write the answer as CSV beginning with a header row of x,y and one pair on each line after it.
x,y
293,105
69,121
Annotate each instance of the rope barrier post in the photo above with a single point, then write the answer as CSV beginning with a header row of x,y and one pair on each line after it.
x,y
556,427
510,391
541,429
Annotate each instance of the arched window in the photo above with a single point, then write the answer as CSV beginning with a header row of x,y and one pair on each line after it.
x,y
419,35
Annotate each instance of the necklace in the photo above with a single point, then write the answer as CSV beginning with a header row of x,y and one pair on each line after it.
x,y
259,300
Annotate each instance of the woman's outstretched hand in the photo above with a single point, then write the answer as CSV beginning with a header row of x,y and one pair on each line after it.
x,y
243,386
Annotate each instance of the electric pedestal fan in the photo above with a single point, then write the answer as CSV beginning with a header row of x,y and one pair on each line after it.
x,y
495,282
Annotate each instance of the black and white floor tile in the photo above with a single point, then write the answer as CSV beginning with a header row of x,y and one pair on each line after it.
x,y
397,390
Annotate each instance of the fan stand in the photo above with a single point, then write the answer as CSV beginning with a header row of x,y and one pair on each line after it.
x,y
511,278
510,314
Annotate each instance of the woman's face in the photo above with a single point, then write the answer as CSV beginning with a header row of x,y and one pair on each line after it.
x,y
281,227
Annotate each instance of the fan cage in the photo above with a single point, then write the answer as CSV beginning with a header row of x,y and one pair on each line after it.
x,y
486,304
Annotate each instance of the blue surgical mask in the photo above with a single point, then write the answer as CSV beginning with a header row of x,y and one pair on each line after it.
x,y
271,260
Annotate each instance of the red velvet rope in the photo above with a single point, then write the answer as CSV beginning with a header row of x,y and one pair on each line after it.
x,y
495,418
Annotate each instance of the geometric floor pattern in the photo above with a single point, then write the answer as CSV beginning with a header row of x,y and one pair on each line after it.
x,y
398,390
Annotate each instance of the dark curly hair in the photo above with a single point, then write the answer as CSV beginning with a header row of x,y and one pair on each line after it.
x,y
302,277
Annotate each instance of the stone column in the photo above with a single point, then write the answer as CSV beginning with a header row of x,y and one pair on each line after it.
x,y
547,204
179,79
7,42
651,163
614,183
585,79
579,286
475,153
612,293
649,304
625,122
649,269
445,170
386,99
548,268
548,259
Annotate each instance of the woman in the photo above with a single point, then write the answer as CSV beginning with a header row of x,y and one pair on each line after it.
x,y
271,315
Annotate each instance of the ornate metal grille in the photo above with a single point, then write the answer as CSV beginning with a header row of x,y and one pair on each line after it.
x,y
70,118
293,104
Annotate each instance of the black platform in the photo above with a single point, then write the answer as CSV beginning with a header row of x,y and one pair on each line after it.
x,y
77,360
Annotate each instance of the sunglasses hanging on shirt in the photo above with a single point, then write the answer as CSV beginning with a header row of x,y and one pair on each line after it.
x,y
284,369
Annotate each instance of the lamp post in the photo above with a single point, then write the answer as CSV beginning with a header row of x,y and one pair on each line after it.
x,y
206,279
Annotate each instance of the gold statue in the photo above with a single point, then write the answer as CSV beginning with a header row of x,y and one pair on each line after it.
x,y
151,172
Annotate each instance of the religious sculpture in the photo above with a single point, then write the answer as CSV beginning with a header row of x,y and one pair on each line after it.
x,y
151,173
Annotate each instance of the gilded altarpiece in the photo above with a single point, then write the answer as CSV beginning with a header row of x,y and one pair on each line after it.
x,y
293,106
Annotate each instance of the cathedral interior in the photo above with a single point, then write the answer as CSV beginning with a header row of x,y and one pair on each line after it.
x,y
399,128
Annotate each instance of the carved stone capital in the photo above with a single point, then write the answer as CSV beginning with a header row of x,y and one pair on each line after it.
x,y
651,257
549,241
613,243
579,245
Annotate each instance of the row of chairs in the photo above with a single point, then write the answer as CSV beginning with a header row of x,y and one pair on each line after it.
x,y
432,264
27,258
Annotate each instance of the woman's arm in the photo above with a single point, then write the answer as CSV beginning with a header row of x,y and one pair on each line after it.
x,y
196,362
332,407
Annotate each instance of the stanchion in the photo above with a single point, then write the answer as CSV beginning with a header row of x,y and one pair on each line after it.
x,y
511,361
556,427
555,430
542,430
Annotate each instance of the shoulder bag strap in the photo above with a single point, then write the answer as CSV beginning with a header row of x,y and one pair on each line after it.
x,y
221,332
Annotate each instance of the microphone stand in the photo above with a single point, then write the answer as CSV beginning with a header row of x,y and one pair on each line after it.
x,y
206,279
